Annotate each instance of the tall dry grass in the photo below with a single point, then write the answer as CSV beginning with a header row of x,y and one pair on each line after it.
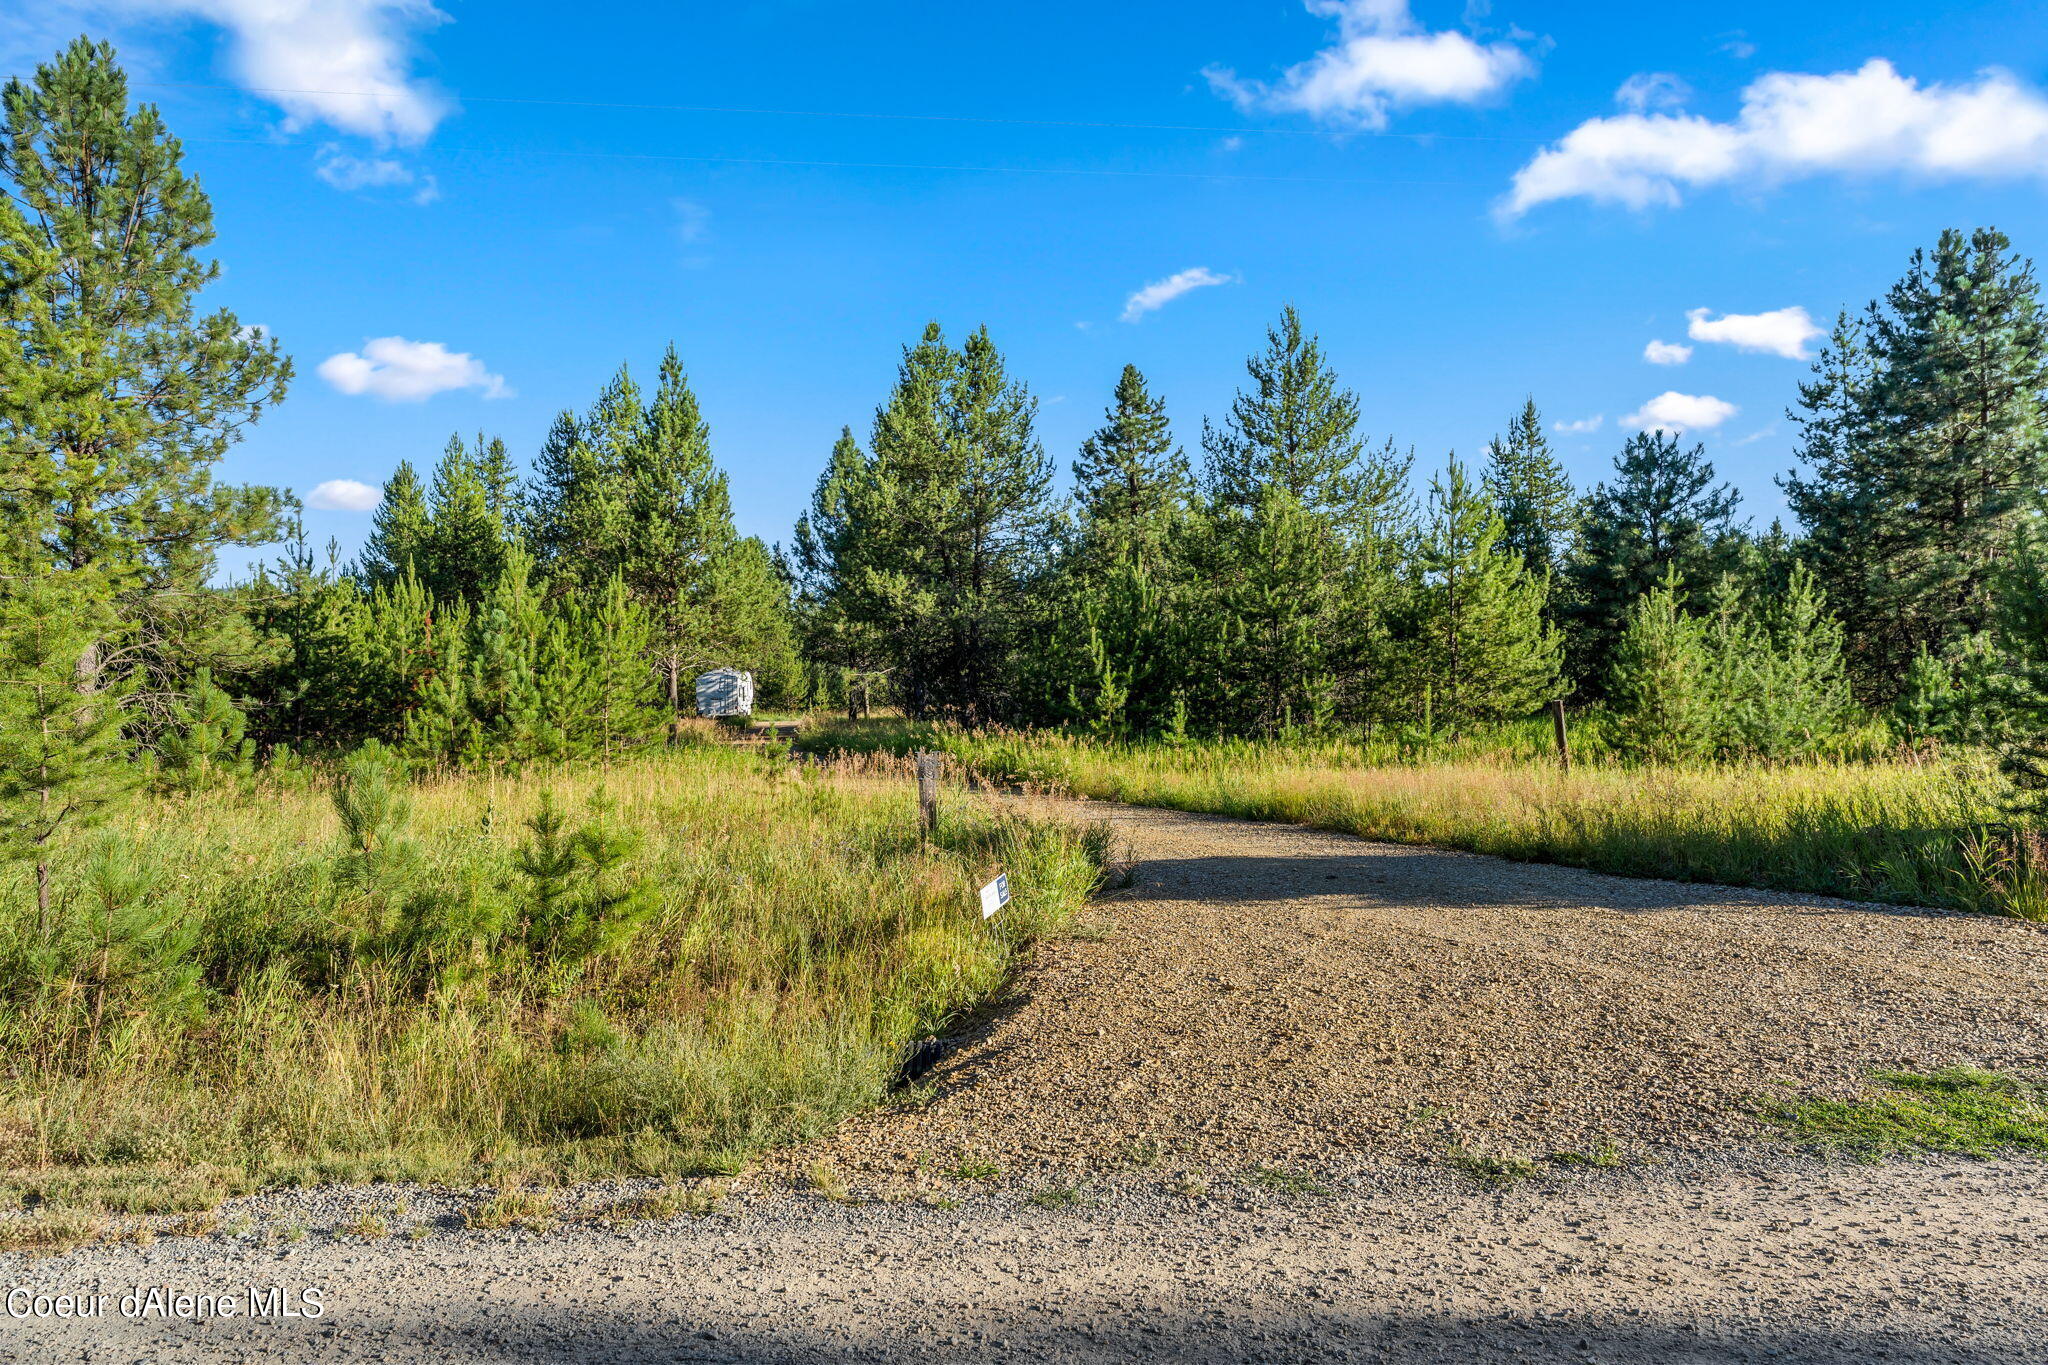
x,y
1910,832
241,999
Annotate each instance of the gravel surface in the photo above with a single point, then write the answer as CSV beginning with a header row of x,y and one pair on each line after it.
x,y
1267,993
1213,1128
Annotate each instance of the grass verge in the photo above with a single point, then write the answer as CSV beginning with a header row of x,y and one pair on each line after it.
x,y
657,968
1961,1111
1931,834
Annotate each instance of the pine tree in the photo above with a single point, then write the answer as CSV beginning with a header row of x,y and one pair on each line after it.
x,y
1481,645
205,742
399,530
676,530
1130,480
464,546
1665,700
1662,515
62,754
1926,438
2022,636
1109,652
1302,549
1783,674
1530,492
579,504
1294,429
117,398
931,541
836,623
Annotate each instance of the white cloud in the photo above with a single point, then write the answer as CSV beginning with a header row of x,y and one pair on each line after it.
x,y
1648,90
1382,60
1673,411
1667,353
1793,125
401,371
346,172
1159,293
345,63
1782,331
693,221
1581,426
1754,436
344,495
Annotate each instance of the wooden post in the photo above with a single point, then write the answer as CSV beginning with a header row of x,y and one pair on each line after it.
x,y
1564,743
927,794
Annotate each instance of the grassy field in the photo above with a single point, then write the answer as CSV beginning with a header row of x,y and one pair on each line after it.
x,y
1916,833
658,968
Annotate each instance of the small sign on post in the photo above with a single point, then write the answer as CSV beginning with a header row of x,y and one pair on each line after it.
x,y
927,795
995,895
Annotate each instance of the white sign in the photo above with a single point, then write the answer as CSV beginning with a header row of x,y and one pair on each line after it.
x,y
995,895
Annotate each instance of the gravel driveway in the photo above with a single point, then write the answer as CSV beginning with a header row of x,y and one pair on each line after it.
x,y
1214,1128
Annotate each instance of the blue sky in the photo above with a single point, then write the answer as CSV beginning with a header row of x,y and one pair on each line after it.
x,y
465,218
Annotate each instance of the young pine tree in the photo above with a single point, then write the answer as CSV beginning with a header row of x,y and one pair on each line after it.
x,y
204,742
1480,645
1666,700
62,755
1661,515
399,530
1530,492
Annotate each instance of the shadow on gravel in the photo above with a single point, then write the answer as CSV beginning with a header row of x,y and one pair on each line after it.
x,y
1223,1338
1415,876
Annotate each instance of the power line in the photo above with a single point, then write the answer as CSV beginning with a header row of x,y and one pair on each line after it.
x,y
854,114
875,165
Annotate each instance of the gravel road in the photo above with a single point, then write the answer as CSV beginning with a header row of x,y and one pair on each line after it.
x,y
1213,1128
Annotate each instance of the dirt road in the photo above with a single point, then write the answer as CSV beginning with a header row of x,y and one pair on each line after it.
x,y
1214,1128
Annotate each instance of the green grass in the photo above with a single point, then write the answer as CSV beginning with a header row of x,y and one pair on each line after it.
x,y
1960,1111
1285,1182
1913,833
238,1004
1490,1168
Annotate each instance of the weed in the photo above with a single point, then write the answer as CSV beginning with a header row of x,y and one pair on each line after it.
x,y
1960,1110
1141,1153
203,1223
1285,1182
969,1166
827,1183
670,1201
1604,1157
47,1231
292,1233
368,1225
1490,1169
530,1210
1057,1196
1192,1186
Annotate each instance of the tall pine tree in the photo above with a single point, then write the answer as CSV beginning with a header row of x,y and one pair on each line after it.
x,y
1925,440
117,396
